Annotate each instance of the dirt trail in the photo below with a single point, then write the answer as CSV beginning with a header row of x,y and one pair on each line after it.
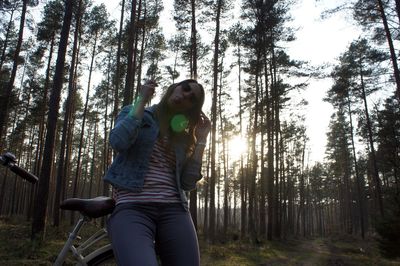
x,y
313,252
322,252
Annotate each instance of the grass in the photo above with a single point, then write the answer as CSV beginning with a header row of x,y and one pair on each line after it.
x,y
17,249
311,252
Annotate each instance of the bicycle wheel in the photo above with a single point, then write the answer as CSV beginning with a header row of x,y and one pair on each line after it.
x,y
105,258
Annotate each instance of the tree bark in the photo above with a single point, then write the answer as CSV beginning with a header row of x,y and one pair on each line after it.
x,y
68,106
118,63
213,114
4,99
193,69
360,189
39,218
128,92
389,38
375,171
5,42
84,116
193,74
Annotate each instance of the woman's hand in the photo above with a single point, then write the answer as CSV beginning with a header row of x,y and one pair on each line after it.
x,y
147,91
145,94
203,127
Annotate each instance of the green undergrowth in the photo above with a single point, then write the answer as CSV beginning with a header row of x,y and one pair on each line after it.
x,y
334,251
16,248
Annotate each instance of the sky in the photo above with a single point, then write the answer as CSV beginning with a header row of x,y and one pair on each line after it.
x,y
317,41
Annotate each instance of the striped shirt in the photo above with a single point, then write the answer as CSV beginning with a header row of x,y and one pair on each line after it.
x,y
159,181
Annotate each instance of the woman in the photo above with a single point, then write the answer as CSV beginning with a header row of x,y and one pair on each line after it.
x,y
159,152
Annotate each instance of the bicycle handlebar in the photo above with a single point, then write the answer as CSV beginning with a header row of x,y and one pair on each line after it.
x,y
8,159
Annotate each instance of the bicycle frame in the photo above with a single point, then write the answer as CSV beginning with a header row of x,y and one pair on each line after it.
x,y
88,208
78,252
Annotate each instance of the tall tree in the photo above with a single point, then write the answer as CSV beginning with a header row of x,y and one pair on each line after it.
x,y
340,96
48,29
117,78
388,138
67,117
338,148
7,37
186,20
355,79
266,29
39,218
4,99
214,114
235,37
130,72
365,62
97,25
367,11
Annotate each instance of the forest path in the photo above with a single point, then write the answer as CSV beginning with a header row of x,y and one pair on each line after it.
x,y
312,252
322,253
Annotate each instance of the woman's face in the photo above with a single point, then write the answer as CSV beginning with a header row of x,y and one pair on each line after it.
x,y
184,97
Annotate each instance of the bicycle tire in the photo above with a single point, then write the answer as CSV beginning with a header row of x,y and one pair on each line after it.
x,y
103,259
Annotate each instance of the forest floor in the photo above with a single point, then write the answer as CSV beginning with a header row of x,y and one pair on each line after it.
x,y
17,249
333,251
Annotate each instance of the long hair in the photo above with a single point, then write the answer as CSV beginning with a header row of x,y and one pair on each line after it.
x,y
193,114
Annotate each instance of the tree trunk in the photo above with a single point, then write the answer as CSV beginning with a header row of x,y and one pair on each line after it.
x,y
224,165
270,165
193,69
263,176
206,196
68,106
135,47
39,217
213,113
4,99
118,63
140,64
242,181
391,46
193,74
5,44
254,158
106,147
128,91
92,173
375,170
43,110
360,189
84,116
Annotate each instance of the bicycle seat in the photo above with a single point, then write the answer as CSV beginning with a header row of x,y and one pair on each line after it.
x,y
93,208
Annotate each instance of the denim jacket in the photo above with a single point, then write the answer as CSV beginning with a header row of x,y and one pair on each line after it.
x,y
133,140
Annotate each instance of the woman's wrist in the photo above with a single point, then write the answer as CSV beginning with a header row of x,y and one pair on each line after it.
x,y
137,107
201,140
198,150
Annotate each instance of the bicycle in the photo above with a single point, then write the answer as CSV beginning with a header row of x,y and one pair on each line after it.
x,y
8,159
89,209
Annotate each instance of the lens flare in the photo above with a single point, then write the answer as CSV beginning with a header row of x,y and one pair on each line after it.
x,y
179,123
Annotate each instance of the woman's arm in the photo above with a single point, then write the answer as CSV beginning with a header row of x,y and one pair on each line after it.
x,y
192,169
126,129
146,93
127,124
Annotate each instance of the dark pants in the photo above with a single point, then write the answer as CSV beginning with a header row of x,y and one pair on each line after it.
x,y
135,230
